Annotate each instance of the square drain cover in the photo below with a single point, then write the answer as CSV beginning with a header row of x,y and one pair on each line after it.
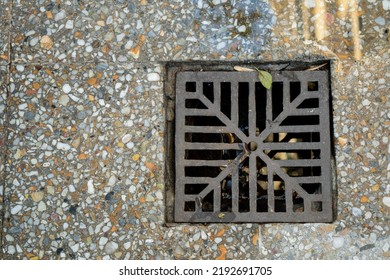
x,y
243,153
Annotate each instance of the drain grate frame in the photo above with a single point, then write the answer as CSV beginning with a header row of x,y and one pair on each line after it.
x,y
223,166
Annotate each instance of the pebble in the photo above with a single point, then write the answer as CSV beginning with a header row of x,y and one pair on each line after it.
x,y
69,24
111,247
196,236
59,16
37,196
41,206
11,249
103,240
64,99
386,201
91,189
16,209
338,242
153,77
356,211
63,146
126,138
380,21
66,88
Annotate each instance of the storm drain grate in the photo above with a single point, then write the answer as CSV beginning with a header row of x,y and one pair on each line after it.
x,y
247,154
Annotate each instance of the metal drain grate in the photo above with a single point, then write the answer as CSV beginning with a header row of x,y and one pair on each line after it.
x,y
245,154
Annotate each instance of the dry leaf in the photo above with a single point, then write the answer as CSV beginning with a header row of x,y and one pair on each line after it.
x,y
243,69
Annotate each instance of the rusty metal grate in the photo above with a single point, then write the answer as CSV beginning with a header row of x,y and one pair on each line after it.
x,y
247,154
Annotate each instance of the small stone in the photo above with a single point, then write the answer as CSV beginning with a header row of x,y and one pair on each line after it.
x,y
91,189
66,88
153,77
364,199
60,15
111,181
366,102
75,247
46,42
63,100
126,138
386,201
179,251
41,206
356,212
16,209
386,5
11,250
130,145
103,240
196,236
69,24
109,195
37,196
20,68
367,247
338,242
342,141
380,21
242,28
63,146
20,153
111,247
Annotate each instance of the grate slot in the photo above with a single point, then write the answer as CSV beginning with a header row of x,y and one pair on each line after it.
x,y
247,154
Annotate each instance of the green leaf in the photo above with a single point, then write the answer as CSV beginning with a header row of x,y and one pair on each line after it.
x,y
221,215
265,79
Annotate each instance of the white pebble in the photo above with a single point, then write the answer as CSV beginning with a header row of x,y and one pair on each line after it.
x,y
386,201
366,102
310,3
16,209
75,247
63,100
356,212
69,24
59,16
111,247
66,88
196,236
153,77
89,49
386,4
242,28
20,68
130,145
380,21
63,146
111,181
41,206
34,41
338,242
103,240
91,189
11,249
126,138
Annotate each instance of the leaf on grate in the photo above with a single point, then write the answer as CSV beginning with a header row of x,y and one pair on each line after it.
x,y
243,69
265,78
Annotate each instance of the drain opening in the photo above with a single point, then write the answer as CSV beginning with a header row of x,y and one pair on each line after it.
x,y
247,154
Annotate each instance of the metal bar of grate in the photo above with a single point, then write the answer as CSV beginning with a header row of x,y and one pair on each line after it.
x,y
247,154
